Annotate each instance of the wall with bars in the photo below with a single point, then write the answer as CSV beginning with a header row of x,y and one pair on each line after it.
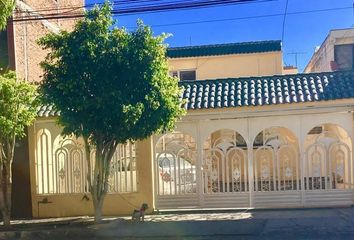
x,y
58,175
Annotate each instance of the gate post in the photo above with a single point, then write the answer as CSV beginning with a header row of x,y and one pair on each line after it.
x,y
303,158
250,173
250,165
145,167
199,170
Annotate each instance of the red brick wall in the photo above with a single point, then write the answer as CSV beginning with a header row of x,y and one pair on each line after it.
x,y
27,53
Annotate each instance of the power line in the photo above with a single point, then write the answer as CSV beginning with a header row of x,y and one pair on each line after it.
x,y
286,10
122,3
244,18
216,20
48,9
249,17
150,9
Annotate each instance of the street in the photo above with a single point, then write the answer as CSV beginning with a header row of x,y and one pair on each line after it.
x,y
326,223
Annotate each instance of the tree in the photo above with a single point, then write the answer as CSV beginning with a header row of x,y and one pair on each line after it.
x,y
111,86
18,108
6,8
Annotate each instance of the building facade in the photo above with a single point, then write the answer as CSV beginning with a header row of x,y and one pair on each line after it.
x,y
263,58
246,142
252,137
335,53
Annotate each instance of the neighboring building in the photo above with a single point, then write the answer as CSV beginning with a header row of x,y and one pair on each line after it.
x,y
261,58
335,53
23,52
20,52
252,138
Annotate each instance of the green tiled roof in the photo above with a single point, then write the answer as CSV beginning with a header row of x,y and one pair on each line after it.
x,y
47,111
224,49
259,91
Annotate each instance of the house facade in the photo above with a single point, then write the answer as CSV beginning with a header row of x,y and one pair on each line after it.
x,y
246,142
252,138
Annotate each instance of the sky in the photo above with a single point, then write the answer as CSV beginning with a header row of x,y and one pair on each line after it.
x,y
302,32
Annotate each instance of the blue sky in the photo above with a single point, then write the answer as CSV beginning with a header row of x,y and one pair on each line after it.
x,y
303,32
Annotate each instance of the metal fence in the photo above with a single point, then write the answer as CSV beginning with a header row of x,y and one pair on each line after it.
x,y
61,166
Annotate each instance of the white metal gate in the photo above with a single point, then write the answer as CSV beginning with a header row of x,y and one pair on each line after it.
x,y
276,174
176,172
273,173
225,174
328,175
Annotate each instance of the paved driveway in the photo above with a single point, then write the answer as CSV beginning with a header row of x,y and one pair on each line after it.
x,y
334,223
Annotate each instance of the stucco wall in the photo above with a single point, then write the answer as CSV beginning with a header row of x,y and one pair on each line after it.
x,y
231,66
74,204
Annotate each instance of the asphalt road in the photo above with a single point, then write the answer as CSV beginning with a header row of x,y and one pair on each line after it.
x,y
333,223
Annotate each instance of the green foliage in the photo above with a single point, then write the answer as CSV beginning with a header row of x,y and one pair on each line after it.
x,y
6,8
18,106
108,83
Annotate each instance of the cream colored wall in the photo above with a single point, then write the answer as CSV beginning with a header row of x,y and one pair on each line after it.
x,y
74,205
231,66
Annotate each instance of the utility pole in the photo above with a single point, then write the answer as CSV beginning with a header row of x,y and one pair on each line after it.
x,y
295,55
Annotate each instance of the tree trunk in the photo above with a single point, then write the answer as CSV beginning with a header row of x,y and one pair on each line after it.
x,y
98,204
6,215
5,198
99,184
7,152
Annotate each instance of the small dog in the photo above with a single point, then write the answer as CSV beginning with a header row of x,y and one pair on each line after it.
x,y
138,215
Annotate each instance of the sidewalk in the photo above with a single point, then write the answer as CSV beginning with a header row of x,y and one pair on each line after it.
x,y
328,223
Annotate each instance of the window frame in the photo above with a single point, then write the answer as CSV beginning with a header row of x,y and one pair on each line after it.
x,y
172,72
335,52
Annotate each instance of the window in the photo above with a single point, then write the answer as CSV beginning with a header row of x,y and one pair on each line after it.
x,y
343,56
184,75
174,74
187,75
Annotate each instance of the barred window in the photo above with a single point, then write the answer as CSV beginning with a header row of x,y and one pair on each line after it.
x,y
61,166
